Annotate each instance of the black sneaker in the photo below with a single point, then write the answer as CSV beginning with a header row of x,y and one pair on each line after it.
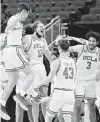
x,y
21,100
3,113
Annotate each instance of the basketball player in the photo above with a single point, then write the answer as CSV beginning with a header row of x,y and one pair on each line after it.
x,y
13,55
88,58
64,70
35,47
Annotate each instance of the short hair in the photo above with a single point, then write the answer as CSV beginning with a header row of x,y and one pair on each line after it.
x,y
35,24
24,6
93,34
64,43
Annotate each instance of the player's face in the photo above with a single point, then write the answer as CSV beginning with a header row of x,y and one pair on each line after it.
x,y
92,43
40,29
24,15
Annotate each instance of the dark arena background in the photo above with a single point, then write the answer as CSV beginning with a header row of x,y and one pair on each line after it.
x,y
76,18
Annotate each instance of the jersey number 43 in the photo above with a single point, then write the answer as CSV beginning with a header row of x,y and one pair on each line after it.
x,y
68,73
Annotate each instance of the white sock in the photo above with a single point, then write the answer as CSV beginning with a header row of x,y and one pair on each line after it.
x,y
3,102
22,93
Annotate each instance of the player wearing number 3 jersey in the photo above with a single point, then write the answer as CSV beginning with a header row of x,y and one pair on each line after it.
x,y
88,58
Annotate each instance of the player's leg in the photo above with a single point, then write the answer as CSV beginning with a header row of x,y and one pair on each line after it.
x,y
86,109
20,98
48,118
30,114
91,97
19,113
55,104
43,93
12,79
35,111
28,80
68,107
92,114
68,118
60,116
79,92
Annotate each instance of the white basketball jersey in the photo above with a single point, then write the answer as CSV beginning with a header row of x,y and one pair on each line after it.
x,y
35,50
87,64
14,36
66,73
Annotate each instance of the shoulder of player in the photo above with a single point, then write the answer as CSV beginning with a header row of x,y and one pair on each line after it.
x,y
12,18
44,40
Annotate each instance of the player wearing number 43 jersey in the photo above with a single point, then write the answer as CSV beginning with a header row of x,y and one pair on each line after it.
x,y
64,70
88,58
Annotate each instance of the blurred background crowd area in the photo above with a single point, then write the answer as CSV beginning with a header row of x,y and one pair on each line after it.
x,y
70,11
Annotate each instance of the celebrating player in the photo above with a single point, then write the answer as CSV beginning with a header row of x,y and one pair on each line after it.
x,y
88,58
35,46
13,55
64,70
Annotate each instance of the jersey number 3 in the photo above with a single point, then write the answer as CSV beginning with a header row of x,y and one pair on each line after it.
x,y
68,73
89,65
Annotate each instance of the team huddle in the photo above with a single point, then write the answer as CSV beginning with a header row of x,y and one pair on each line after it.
x,y
73,80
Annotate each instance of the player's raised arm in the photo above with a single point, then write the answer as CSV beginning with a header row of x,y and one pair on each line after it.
x,y
12,22
81,40
55,42
53,71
